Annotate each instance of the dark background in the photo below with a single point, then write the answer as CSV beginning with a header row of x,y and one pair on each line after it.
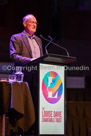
x,y
67,21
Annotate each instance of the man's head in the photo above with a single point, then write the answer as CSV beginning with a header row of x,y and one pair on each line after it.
x,y
30,24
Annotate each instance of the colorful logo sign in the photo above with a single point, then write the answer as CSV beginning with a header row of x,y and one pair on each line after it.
x,y
52,87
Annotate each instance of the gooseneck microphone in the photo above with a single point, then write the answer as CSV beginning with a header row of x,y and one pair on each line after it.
x,y
51,41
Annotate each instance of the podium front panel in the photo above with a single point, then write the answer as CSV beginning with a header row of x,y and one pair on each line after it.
x,y
51,99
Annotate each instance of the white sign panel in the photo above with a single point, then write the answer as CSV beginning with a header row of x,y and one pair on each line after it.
x,y
51,99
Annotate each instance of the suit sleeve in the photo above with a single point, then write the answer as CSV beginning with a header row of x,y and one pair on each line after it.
x,y
16,52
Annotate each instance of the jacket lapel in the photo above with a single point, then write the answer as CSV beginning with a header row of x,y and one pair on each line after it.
x,y
39,44
26,43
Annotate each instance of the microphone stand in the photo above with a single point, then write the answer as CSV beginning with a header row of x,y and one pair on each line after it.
x,y
47,45
51,41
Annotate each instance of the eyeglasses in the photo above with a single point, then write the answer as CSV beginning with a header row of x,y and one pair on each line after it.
x,y
31,22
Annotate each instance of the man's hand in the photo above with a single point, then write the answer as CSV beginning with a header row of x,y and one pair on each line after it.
x,y
33,59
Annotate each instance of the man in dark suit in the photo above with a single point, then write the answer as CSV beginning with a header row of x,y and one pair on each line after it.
x,y
26,47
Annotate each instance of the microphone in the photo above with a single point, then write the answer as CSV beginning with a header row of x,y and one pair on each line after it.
x,y
51,41
50,37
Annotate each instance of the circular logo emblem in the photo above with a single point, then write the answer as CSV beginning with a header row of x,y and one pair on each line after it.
x,y
52,87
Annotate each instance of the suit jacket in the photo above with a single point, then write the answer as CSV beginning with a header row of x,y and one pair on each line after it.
x,y
20,50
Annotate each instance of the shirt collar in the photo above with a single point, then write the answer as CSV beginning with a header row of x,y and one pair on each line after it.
x,y
28,36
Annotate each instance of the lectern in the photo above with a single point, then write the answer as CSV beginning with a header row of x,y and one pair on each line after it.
x,y
51,90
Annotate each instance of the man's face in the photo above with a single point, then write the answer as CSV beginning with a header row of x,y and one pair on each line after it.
x,y
31,25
